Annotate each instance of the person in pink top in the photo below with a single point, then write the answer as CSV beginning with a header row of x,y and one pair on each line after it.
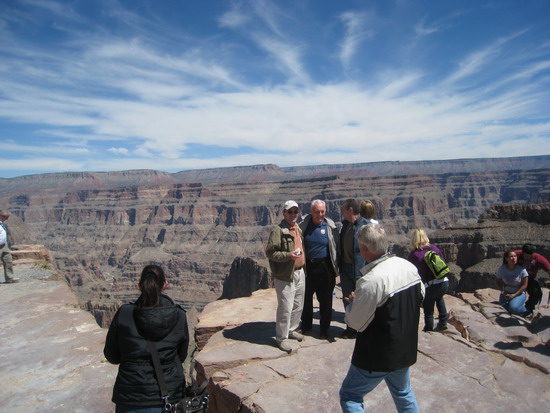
x,y
532,262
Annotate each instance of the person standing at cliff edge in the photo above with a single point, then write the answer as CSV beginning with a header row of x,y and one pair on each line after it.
x,y
7,259
321,242
286,259
153,324
385,310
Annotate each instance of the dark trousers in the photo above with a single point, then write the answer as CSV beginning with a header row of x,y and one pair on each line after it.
x,y
434,296
320,280
535,294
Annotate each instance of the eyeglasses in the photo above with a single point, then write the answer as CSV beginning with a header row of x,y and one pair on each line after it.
x,y
292,211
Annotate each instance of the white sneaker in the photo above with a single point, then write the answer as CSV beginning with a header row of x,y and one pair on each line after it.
x,y
283,345
295,335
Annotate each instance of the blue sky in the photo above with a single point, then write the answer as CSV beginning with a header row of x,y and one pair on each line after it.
x,y
105,85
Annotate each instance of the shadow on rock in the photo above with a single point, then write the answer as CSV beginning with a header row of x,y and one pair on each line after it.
x,y
256,333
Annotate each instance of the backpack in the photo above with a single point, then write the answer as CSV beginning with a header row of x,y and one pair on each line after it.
x,y
435,263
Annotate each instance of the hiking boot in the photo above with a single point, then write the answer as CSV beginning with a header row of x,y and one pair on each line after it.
x,y
295,335
440,327
283,345
12,280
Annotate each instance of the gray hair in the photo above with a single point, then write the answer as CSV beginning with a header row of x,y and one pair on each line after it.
x,y
374,238
318,201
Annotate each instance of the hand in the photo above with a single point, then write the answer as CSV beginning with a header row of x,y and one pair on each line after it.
x,y
295,254
350,297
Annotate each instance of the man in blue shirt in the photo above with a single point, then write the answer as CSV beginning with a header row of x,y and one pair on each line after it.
x,y
321,244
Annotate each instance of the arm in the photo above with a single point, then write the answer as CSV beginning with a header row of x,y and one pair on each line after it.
x,y
111,349
521,289
273,248
364,302
2,237
184,344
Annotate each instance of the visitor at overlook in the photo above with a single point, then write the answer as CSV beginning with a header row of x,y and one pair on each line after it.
x,y
321,244
384,309
5,252
533,262
435,288
286,259
153,324
368,210
511,279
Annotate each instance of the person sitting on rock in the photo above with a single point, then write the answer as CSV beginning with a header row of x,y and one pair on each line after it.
x,y
435,289
532,262
154,319
511,279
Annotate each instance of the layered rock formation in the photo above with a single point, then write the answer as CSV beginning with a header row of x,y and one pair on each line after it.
x,y
102,228
487,361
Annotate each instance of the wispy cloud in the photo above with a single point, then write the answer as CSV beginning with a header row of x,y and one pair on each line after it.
x,y
115,97
355,32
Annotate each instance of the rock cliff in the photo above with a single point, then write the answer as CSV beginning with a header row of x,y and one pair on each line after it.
x,y
487,361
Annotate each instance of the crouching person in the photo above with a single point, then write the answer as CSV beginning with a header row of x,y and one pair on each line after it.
x,y
384,309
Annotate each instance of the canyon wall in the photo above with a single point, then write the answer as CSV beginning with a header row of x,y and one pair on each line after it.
x,y
101,230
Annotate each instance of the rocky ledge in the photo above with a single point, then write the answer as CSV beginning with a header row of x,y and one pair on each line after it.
x,y
486,361
52,351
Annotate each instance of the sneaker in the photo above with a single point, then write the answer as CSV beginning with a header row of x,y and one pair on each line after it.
x,y
440,327
12,280
295,335
283,345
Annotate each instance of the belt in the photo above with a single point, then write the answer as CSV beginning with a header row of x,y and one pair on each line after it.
x,y
316,260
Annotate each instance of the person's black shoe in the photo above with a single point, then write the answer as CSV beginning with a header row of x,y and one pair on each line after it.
x,y
527,314
349,333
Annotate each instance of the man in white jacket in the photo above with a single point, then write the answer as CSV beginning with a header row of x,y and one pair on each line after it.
x,y
384,309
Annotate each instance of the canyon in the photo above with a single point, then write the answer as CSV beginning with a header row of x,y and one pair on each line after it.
x,y
208,228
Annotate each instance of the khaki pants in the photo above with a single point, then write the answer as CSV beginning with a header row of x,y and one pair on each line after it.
x,y
7,261
290,301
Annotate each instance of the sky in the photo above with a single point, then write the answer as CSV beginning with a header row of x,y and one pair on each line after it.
x,y
172,85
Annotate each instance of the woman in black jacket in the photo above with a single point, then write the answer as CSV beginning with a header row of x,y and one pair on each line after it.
x,y
153,317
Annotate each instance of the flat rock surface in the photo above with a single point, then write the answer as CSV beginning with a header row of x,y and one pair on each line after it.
x,y
52,351
479,364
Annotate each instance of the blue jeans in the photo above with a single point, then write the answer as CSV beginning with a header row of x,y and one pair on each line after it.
x,y
434,296
516,305
359,382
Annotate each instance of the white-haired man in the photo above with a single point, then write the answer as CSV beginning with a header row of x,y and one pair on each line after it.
x,y
321,242
384,309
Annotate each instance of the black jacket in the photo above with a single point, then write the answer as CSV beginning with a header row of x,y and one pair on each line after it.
x,y
126,344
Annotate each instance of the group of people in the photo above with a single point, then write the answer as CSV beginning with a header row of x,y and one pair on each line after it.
x,y
382,295
516,278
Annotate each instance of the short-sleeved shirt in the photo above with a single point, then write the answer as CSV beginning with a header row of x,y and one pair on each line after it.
x,y
511,278
316,240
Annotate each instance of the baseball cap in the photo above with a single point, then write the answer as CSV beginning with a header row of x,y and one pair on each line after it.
x,y
290,204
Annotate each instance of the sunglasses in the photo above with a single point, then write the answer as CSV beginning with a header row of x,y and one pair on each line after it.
x,y
292,211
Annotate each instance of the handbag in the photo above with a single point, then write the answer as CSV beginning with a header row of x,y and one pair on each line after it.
x,y
195,399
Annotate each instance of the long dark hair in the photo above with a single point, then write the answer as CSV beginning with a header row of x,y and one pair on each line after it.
x,y
151,284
